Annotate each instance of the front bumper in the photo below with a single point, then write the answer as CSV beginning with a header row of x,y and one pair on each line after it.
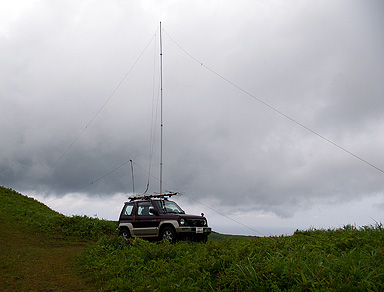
x,y
186,230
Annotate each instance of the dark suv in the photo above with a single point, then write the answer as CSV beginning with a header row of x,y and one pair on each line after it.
x,y
154,216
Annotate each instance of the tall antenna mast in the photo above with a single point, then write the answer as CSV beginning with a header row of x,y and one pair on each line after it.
x,y
161,112
133,180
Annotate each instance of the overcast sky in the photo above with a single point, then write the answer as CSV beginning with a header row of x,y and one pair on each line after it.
x,y
273,110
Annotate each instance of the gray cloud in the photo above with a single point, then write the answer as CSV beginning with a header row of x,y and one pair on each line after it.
x,y
319,63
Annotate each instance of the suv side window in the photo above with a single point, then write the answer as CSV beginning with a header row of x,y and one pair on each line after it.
x,y
128,209
143,208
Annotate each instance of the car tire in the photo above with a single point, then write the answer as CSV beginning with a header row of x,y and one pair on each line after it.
x,y
168,234
124,233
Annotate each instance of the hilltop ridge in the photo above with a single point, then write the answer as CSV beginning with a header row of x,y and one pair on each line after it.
x,y
29,213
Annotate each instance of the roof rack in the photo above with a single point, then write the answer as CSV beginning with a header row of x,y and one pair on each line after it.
x,y
147,197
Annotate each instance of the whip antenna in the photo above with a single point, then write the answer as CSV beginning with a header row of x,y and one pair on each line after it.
x,y
161,112
133,180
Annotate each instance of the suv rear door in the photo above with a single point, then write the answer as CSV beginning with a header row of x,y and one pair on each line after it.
x,y
145,223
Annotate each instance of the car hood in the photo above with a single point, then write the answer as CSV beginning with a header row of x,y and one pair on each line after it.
x,y
188,216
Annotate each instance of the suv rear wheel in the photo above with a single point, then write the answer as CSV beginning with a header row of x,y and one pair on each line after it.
x,y
168,234
124,232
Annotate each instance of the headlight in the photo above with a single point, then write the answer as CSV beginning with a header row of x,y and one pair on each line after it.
x,y
182,221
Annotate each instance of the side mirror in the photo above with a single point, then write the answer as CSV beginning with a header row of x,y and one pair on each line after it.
x,y
153,211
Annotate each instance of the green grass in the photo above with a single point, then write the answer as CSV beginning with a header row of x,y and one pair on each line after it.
x,y
32,262
35,216
39,249
347,259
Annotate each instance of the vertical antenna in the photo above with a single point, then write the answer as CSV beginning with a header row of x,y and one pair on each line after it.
x,y
133,181
161,112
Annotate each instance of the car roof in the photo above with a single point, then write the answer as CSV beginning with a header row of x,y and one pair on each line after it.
x,y
148,200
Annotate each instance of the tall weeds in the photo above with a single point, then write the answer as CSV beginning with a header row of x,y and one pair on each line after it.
x,y
346,259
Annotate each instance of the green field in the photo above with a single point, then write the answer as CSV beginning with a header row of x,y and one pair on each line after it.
x,y
39,248
42,250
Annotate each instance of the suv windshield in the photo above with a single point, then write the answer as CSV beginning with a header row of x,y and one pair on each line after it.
x,y
168,207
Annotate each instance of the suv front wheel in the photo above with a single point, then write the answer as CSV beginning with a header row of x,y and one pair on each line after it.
x,y
168,234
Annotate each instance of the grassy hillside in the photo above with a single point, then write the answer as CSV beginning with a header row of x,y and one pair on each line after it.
x,y
33,215
38,247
